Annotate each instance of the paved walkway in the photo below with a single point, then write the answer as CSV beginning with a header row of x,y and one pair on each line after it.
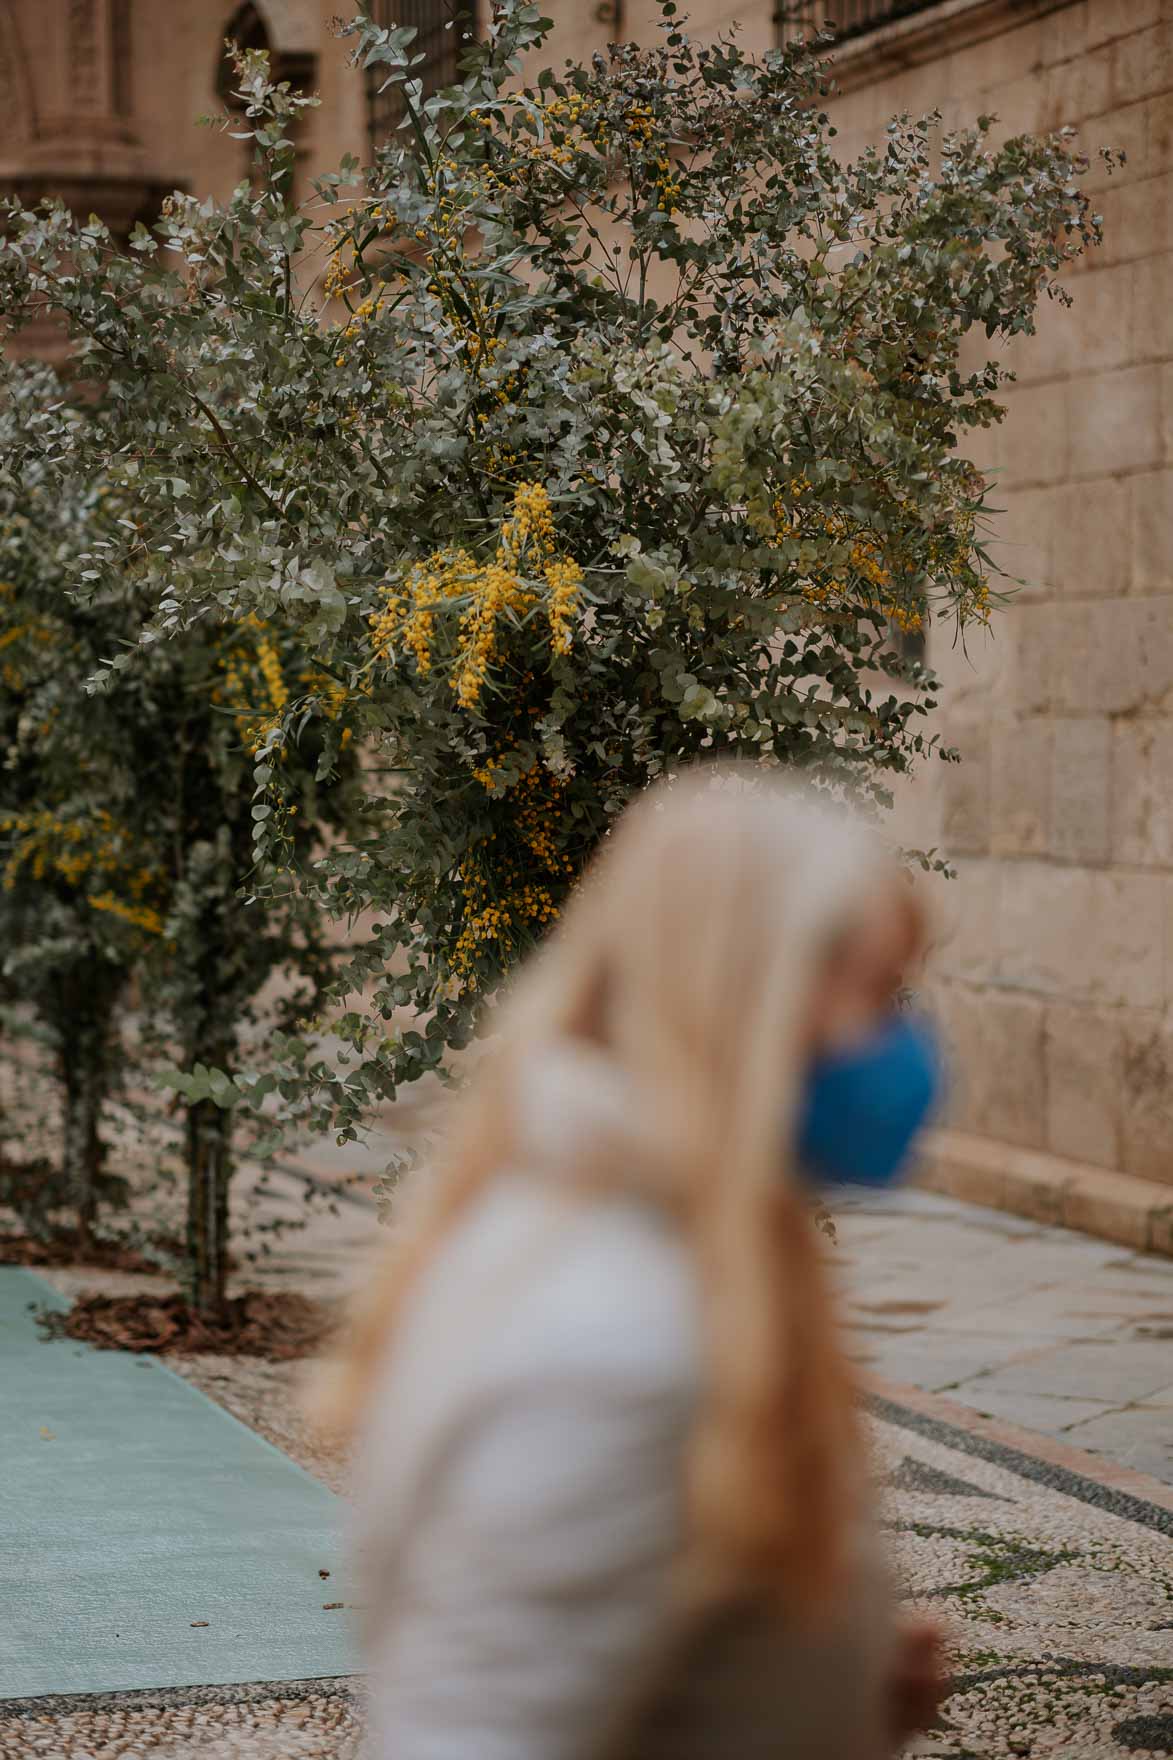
x,y
147,1539
1042,1327
1053,1331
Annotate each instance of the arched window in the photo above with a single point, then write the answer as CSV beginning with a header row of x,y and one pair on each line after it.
x,y
441,27
248,30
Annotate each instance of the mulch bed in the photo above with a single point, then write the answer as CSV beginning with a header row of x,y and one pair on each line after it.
x,y
64,1249
277,1325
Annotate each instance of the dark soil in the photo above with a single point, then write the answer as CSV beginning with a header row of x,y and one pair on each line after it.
x,y
260,1323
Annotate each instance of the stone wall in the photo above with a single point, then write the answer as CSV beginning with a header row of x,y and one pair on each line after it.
x,y
1055,975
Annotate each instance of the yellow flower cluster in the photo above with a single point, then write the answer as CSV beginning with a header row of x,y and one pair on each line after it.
x,y
362,314
667,187
950,554
486,774
491,923
568,109
47,844
465,310
496,590
78,850
139,916
339,273
572,124
563,579
478,350
39,634
345,275
979,601
587,123
549,149
537,797
525,568
871,577
342,272
503,901
269,664
252,671
530,522
332,697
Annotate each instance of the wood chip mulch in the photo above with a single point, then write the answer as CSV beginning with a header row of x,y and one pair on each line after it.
x,y
108,1254
277,1325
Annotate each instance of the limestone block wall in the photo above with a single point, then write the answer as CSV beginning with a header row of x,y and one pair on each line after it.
x,y
1055,977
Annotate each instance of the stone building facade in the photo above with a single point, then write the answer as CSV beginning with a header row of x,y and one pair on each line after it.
x,y
1055,970
1055,975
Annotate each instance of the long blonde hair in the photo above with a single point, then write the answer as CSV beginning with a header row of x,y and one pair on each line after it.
x,y
688,958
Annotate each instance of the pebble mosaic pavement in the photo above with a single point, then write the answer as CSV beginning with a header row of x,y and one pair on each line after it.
x,y
1057,1592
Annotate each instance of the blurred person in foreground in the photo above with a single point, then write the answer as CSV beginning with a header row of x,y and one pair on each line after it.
x,y
612,1488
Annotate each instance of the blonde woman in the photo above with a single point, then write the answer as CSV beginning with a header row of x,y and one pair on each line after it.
x,y
612,1489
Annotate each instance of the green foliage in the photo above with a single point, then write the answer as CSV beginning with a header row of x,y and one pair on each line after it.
x,y
79,873
128,815
603,422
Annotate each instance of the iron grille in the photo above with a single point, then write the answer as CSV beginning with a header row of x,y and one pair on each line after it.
x,y
440,26
851,18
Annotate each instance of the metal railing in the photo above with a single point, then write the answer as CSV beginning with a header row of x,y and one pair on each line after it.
x,y
850,18
441,26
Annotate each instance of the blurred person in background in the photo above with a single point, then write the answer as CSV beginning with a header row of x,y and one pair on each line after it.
x,y
612,1488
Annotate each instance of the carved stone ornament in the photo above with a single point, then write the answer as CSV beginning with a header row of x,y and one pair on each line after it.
x,y
17,110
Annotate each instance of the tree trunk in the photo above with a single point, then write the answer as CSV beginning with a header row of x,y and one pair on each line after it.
x,y
209,1168
84,1067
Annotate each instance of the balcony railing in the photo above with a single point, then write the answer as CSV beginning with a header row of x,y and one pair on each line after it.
x,y
440,26
851,18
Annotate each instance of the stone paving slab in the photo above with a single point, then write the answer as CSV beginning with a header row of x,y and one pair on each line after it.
x,y
1047,1328
148,1539
1141,1436
1043,1413
1090,1369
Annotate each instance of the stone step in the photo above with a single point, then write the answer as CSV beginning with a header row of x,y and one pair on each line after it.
x,y
1137,1213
